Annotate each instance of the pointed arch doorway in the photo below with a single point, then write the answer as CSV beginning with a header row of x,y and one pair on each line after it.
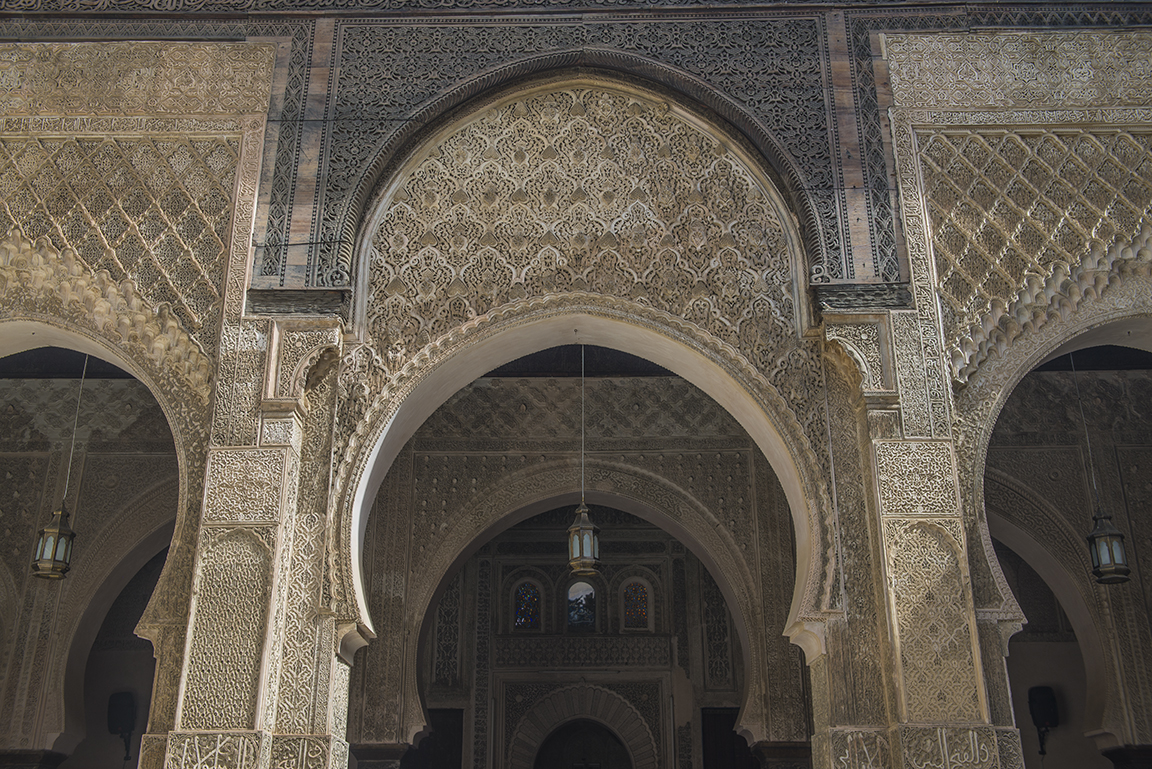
x,y
582,744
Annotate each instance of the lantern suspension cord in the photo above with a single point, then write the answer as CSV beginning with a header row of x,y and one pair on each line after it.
x,y
75,424
581,424
1087,437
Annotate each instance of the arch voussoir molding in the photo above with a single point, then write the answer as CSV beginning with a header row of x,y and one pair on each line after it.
x,y
583,701
382,423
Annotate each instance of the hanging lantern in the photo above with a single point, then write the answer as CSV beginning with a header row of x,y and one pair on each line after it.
x,y
583,543
1106,546
54,547
53,555
1105,542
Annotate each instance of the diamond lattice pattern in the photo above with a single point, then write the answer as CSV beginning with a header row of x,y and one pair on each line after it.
x,y
1007,204
156,210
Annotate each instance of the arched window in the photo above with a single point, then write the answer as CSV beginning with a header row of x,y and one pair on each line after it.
x,y
526,614
636,605
581,608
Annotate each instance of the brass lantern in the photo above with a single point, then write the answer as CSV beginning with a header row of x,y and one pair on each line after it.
x,y
583,543
54,547
1105,541
1106,546
583,535
53,555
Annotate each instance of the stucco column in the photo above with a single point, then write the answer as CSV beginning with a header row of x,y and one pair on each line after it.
x,y
932,652
263,683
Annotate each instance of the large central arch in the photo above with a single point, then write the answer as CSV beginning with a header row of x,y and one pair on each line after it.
x,y
584,211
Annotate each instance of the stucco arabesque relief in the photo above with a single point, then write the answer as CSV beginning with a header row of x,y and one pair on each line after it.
x,y
129,222
1014,212
622,206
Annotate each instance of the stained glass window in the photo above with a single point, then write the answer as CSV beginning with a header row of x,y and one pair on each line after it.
x,y
527,606
636,606
581,607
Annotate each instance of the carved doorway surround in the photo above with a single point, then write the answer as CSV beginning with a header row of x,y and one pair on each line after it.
x,y
588,702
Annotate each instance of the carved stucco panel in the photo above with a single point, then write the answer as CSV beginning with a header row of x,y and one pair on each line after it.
x,y
135,78
228,623
1029,70
295,347
578,189
860,749
916,478
214,750
863,342
935,632
950,747
245,485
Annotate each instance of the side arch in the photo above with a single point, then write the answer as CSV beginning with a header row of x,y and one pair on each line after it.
x,y
559,66
582,701
1043,539
1111,305
52,299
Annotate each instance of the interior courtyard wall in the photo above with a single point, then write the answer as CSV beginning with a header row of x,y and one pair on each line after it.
x,y
837,129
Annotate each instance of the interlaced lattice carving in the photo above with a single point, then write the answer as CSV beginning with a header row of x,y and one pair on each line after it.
x,y
156,210
581,189
1007,207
